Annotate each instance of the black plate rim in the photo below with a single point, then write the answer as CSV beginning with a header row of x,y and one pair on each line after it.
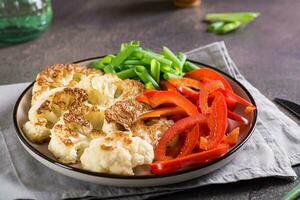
x,y
115,176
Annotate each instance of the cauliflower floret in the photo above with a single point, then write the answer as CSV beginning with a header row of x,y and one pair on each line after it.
x,y
65,145
109,128
129,89
59,75
117,153
99,157
141,152
73,132
47,110
101,89
36,132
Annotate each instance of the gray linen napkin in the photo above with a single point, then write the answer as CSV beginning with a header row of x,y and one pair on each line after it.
x,y
272,150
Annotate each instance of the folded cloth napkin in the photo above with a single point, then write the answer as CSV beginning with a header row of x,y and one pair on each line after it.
x,y
271,151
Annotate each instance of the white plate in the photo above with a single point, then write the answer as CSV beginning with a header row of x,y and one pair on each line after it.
x,y
41,153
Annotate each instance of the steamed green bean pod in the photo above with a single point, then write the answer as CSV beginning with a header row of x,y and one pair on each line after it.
x,y
145,77
135,62
155,70
126,74
171,56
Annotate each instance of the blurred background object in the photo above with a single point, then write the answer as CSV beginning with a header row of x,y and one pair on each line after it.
x,y
187,3
22,20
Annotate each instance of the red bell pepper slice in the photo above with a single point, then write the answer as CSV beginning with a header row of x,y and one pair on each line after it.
x,y
233,137
205,92
237,98
162,112
188,92
170,97
178,128
205,74
217,121
231,103
144,96
236,117
167,86
185,85
196,159
192,83
190,142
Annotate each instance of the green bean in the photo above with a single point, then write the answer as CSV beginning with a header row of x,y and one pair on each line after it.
x,y
96,64
215,27
293,194
149,85
132,43
109,69
243,17
119,59
152,52
135,43
123,46
171,56
228,27
100,64
123,67
128,73
182,57
133,62
148,56
155,70
169,76
142,72
168,69
189,66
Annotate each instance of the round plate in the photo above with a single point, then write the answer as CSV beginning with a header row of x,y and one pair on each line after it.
x,y
42,154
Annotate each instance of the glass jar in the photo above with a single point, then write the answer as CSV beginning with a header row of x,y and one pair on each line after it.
x,y
22,20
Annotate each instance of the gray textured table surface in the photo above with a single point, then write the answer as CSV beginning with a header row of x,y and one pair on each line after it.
x,y
266,51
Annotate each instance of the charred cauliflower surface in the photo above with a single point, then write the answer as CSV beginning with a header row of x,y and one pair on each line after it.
x,y
91,118
60,75
125,112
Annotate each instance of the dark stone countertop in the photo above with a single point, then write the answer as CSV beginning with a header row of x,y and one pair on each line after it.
x,y
266,52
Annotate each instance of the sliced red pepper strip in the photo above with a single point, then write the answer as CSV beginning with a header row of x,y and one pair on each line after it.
x,y
168,86
190,141
237,98
185,85
236,117
144,96
208,74
233,137
217,121
204,94
196,159
162,112
188,92
170,97
231,103
179,127
192,83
